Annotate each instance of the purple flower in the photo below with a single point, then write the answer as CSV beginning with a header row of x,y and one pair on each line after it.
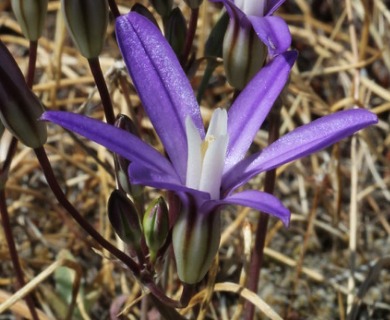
x,y
194,156
204,168
252,34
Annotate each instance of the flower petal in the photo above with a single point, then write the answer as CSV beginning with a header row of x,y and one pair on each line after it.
x,y
258,200
301,142
161,84
114,139
273,31
235,13
142,175
249,110
272,6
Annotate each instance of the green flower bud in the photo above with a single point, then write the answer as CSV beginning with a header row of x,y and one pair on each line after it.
x,y
243,54
163,7
20,109
121,163
176,30
87,24
193,4
30,16
195,240
156,226
124,219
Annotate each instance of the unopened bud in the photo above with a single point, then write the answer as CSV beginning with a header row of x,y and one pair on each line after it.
x,y
87,24
214,43
243,54
195,240
156,226
176,30
124,219
20,109
163,7
30,16
121,163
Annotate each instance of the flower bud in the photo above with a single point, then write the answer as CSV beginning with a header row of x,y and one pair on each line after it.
x,y
214,43
121,163
176,30
20,109
156,226
163,7
195,240
124,219
243,54
193,4
30,16
87,24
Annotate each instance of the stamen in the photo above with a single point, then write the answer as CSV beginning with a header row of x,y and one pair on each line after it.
x,y
207,158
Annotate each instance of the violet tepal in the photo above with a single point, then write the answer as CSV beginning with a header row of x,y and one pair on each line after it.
x,y
204,168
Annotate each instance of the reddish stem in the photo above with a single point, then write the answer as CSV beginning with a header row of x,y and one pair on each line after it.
x,y
257,257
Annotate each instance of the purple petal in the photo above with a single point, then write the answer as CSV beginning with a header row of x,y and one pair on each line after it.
x,y
235,13
142,175
248,112
301,142
161,84
272,6
114,139
273,32
258,200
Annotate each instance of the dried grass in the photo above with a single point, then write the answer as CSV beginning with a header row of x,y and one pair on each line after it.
x,y
334,258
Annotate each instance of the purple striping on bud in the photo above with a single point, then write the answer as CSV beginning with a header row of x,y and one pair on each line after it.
x,y
87,24
20,109
243,54
195,240
31,16
253,35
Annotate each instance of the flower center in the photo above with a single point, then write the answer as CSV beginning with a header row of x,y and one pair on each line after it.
x,y
252,7
206,158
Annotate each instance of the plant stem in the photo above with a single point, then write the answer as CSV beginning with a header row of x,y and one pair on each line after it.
x,y
210,67
144,277
32,63
114,8
3,177
257,256
96,70
14,254
190,35
52,181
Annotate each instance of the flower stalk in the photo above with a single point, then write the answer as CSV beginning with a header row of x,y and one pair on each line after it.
x,y
257,256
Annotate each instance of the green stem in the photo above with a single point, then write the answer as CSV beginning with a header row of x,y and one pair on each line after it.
x,y
97,73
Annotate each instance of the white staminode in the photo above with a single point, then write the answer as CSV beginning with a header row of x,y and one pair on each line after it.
x,y
206,158
252,7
